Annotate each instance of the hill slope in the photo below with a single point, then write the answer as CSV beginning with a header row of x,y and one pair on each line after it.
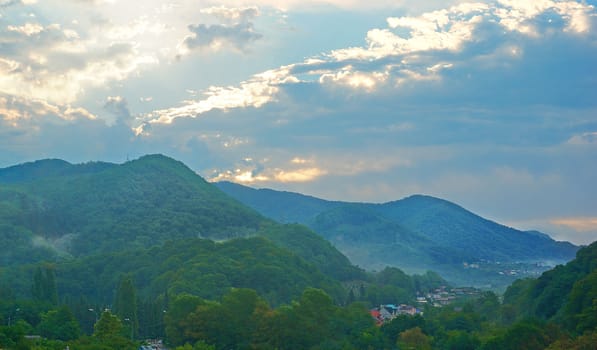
x,y
566,294
199,267
453,226
53,209
416,233
100,207
282,206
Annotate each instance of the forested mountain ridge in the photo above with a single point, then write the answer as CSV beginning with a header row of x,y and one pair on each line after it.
x,y
200,267
416,233
266,286
566,294
80,209
52,209
47,168
281,206
453,226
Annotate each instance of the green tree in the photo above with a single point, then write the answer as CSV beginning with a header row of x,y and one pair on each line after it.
x,y
108,326
233,323
353,324
397,278
402,323
44,285
241,308
59,324
413,339
584,342
461,340
529,334
13,337
580,312
487,305
51,290
175,318
125,305
200,345
37,289
107,335
351,298
314,312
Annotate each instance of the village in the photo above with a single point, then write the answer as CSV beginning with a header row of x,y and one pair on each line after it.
x,y
439,297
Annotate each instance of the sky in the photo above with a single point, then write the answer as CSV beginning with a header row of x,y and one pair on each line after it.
x,y
489,104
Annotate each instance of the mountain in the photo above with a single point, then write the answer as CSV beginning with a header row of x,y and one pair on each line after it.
x,y
453,226
566,294
282,206
79,209
51,209
416,233
369,239
197,266
46,168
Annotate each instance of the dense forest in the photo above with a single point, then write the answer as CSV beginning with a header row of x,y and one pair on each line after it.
x,y
555,311
416,233
106,256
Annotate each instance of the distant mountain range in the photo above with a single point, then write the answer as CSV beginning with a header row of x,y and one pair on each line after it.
x,y
73,233
415,233
51,210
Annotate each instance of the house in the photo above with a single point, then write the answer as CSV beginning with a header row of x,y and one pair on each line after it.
x,y
377,317
388,311
407,310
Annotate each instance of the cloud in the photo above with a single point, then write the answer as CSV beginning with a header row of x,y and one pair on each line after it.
x,y
16,111
580,230
56,64
237,36
35,129
334,5
136,28
236,32
258,173
95,2
8,3
118,107
256,92
299,175
587,138
355,80
431,50
232,15
584,224
518,15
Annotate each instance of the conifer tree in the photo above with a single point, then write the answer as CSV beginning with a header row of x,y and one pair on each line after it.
x,y
37,289
125,305
44,285
50,288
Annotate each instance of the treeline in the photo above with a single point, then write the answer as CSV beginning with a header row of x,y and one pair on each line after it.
x,y
192,309
241,319
139,286
209,269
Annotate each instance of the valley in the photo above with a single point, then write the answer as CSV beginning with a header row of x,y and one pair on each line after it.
x,y
104,255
